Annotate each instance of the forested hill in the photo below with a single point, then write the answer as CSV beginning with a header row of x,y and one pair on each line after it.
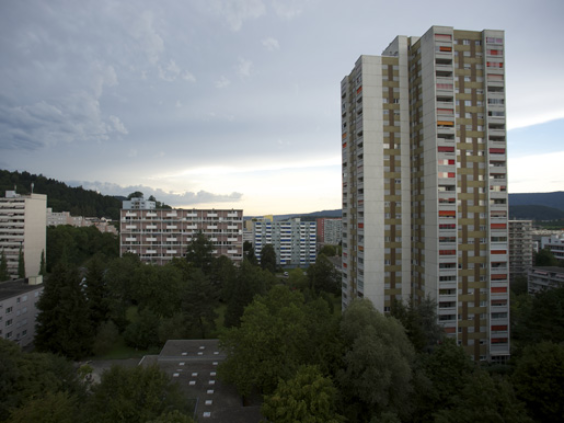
x,y
61,197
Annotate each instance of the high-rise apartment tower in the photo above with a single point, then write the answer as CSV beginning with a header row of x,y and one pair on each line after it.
x,y
425,182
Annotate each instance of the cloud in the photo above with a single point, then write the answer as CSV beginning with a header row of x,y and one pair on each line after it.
x,y
187,76
271,44
222,82
147,37
235,12
170,198
288,9
245,68
170,72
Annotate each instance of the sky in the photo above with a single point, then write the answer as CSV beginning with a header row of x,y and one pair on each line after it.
x,y
235,103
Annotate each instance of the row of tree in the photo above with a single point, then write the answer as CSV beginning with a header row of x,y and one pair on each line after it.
x,y
312,365
43,387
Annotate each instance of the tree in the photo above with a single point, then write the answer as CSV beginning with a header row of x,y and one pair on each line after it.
x,y
249,253
323,276
200,253
268,258
544,257
21,264
199,302
4,275
120,281
144,332
158,288
54,407
328,250
377,371
538,379
279,332
96,292
63,325
136,194
134,395
307,397
106,337
42,264
298,280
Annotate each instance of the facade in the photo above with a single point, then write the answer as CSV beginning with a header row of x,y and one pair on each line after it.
x,y
555,244
520,248
18,310
294,241
425,182
22,225
159,235
65,218
329,230
541,278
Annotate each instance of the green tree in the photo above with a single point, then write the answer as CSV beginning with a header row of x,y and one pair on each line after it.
x,y
298,280
144,332
54,407
377,373
106,337
328,250
223,272
136,194
134,395
538,380
268,258
158,288
63,325
21,264
323,276
42,264
96,291
307,397
4,275
199,301
484,399
173,417
120,279
544,257
200,253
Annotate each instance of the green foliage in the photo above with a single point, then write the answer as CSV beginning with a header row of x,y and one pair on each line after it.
x,y
133,395
268,258
538,380
484,399
42,264
95,289
249,253
136,194
54,407
21,264
158,288
420,322
143,333
173,417
63,325
4,275
61,197
199,301
298,280
200,253
328,250
540,318
279,332
120,279
377,373
173,328
307,397
545,258
106,337
323,276
77,245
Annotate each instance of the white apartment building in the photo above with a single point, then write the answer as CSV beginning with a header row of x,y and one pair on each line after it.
x,y
294,241
555,244
22,226
425,182
18,309
159,235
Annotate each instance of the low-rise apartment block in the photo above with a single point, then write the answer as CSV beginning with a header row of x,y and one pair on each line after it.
x,y
17,309
541,278
159,235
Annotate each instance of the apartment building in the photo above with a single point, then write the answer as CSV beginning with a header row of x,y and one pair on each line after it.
x,y
65,218
18,309
329,230
554,244
425,182
22,226
294,241
543,278
520,248
159,235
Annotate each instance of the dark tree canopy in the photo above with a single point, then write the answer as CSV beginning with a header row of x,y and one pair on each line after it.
x,y
268,258
200,253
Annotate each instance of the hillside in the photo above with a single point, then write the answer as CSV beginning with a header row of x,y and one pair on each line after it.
x,y
548,199
535,213
61,197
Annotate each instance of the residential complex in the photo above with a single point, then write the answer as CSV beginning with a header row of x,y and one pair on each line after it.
x,y
159,235
294,241
541,278
555,244
520,248
65,218
329,230
425,182
18,310
22,226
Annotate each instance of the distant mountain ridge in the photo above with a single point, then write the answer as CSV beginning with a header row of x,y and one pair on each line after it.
x,y
548,199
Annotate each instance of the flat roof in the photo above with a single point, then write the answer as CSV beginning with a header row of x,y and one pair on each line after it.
x,y
16,287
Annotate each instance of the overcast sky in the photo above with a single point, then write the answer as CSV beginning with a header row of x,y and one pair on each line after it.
x,y
217,103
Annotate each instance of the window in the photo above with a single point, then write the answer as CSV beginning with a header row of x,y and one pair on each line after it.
x,y
9,322
9,310
498,65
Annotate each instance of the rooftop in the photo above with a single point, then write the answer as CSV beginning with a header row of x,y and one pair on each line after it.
x,y
16,287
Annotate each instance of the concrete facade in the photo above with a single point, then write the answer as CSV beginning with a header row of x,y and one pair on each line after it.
x,y
22,225
520,248
425,182
159,235
18,309
542,278
329,230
